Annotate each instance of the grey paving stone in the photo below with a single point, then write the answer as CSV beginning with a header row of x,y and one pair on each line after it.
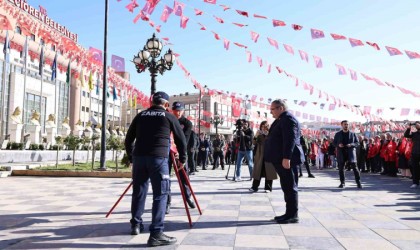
x,y
313,243
354,233
209,240
407,244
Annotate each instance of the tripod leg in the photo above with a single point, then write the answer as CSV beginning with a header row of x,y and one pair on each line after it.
x,y
191,190
119,199
181,187
227,174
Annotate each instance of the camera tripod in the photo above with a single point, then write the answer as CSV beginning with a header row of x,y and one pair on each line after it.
x,y
178,173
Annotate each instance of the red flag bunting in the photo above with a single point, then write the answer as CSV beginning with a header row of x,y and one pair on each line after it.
x,y
259,16
303,55
210,1
338,37
273,42
277,23
198,12
243,13
184,21
254,36
240,45
297,27
166,13
341,70
248,56
226,43
355,42
318,62
316,34
178,8
240,25
412,55
289,49
220,20
393,51
374,45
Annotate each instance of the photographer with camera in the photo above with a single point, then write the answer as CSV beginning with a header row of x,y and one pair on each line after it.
x,y
415,152
245,136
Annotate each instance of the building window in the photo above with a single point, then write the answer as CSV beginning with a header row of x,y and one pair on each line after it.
x,y
83,93
83,108
42,42
87,109
32,37
52,47
18,30
32,104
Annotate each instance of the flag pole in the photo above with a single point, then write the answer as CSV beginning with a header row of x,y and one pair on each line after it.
x,y
41,70
104,106
25,66
121,95
3,87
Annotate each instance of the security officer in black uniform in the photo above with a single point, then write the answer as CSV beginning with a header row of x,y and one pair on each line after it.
x,y
186,125
151,130
218,146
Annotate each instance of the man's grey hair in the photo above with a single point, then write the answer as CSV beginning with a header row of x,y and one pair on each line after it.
x,y
159,102
281,103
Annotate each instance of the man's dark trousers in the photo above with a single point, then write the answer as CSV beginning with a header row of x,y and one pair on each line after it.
x,y
202,158
289,185
155,168
191,161
355,170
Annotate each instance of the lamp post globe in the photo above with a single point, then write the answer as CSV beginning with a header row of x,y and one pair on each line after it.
x,y
148,59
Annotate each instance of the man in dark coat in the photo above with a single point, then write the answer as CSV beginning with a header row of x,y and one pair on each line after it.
x,y
203,150
192,147
283,150
415,152
346,143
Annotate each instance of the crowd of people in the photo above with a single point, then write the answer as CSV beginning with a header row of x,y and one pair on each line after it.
x,y
275,151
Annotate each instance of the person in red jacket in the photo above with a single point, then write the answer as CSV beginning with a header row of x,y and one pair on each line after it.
x,y
382,155
402,160
407,154
391,156
372,152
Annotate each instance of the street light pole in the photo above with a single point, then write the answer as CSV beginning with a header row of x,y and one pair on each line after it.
x,y
199,108
147,59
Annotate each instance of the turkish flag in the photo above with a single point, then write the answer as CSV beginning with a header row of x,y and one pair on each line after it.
x,y
279,69
405,111
198,12
248,56
412,55
236,107
374,45
393,51
5,23
273,42
332,107
341,70
218,19
131,6
240,25
202,26
225,7
269,68
289,49
210,1
355,42
303,55
166,13
337,37
216,36
240,45
259,60
366,110
178,8
318,62
243,13
277,23
259,16
118,63
353,75
95,55
317,34
184,21
254,36
297,27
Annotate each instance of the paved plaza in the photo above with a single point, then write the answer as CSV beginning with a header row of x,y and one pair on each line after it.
x,y
69,213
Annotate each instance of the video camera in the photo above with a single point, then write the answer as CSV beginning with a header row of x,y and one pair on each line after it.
x,y
239,124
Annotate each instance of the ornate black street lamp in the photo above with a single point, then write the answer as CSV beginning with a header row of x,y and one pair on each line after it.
x,y
199,108
147,59
216,120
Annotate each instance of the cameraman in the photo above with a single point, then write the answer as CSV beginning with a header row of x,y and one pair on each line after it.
x,y
245,136
415,152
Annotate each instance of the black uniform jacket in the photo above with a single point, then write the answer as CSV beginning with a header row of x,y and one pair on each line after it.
x,y
151,130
